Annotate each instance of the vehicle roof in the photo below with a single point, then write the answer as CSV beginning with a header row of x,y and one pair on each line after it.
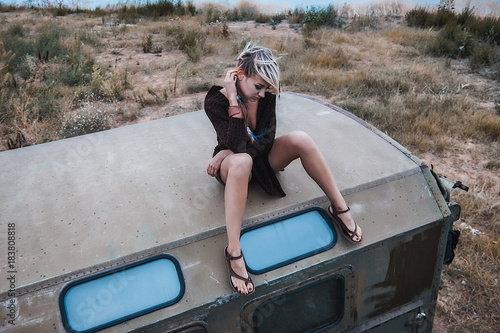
x,y
85,201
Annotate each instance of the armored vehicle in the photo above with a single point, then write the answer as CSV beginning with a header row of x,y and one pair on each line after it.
x,y
123,231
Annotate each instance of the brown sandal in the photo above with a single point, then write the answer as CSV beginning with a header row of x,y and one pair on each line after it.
x,y
347,233
232,273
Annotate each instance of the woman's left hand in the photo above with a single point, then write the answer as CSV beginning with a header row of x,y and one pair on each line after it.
x,y
216,162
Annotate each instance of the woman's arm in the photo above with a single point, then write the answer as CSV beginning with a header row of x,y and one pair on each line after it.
x,y
216,161
231,131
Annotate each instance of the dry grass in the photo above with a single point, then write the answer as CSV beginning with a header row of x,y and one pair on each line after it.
x,y
437,107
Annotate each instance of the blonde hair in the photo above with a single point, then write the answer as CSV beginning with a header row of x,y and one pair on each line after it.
x,y
258,60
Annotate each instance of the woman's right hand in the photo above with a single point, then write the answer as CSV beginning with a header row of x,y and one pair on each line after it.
x,y
216,161
230,86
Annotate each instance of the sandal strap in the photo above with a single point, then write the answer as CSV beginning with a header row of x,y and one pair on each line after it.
x,y
334,212
344,211
237,276
230,257
233,273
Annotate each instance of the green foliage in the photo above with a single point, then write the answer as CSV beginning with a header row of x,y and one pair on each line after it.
x,y
452,41
155,10
147,44
483,28
16,30
188,38
462,35
8,8
418,17
483,55
14,40
48,99
49,40
78,73
315,17
6,59
191,41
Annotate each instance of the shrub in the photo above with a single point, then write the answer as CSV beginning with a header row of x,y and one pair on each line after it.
x,y
482,56
189,38
315,17
6,59
360,22
49,40
147,44
16,30
96,83
128,14
48,99
418,17
78,73
85,123
442,17
116,83
155,10
452,41
243,12
192,44
14,40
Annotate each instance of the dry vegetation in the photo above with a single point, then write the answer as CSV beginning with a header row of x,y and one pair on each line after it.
x,y
112,68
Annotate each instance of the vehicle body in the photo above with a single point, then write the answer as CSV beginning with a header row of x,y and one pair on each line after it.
x,y
88,205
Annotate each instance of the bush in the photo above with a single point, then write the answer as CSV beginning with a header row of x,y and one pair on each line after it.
x,y
49,40
452,41
128,14
442,17
16,30
78,73
85,123
483,55
188,38
244,12
484,28
418,17
316,17
48,102
191,41
155,10
147,44
14,40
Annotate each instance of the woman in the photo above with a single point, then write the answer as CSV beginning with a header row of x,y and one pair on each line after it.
x,y
243,113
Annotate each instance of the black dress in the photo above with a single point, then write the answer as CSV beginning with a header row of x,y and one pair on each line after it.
x,y
232,134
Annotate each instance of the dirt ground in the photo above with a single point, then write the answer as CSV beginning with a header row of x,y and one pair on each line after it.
x,y
465,161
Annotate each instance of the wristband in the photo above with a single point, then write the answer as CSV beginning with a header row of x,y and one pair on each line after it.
x,y
234,114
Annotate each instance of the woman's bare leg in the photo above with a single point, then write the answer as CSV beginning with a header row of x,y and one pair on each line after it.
x,y
299,144
236,170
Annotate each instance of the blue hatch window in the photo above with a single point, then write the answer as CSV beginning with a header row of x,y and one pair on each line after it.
x,y
287,239
108,298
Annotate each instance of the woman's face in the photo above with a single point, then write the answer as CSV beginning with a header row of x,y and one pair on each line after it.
x,y
252,88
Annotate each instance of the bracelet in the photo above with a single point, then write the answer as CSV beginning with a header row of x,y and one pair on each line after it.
x,y
234,114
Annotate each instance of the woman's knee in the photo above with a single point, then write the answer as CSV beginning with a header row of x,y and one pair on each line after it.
x,y
240,165
300,141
